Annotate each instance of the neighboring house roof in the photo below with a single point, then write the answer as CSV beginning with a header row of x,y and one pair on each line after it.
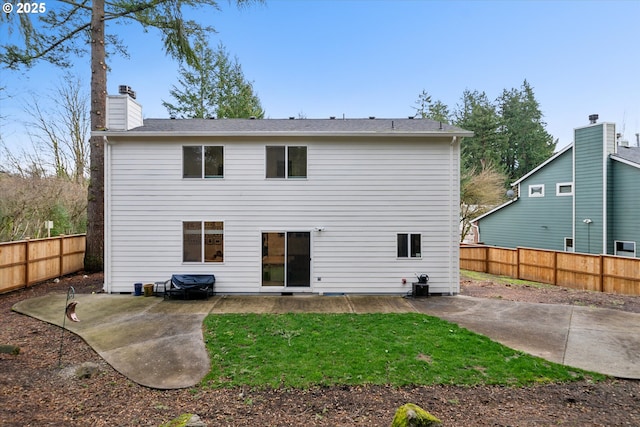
x,y
628,155
329,127
478,218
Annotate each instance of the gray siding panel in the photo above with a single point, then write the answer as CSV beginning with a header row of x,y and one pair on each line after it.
x,y
589,188
625,215
536,222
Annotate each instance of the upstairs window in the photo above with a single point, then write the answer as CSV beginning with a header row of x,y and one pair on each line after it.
x,y
202,161
202,241
564,189
536,190
409,245
286,162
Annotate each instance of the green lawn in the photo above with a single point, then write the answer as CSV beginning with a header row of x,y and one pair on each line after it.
x,y
305,350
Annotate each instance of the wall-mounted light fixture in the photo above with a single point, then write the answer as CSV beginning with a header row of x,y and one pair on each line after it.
x,y
318,229
587,221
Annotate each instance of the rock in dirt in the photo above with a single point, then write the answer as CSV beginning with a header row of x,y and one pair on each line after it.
x,y
9,349
411,415
185,420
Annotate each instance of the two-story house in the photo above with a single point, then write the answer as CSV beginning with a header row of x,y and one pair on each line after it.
x,y
585,198
281,206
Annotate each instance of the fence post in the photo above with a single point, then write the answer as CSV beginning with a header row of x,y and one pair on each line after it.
x,y
61,248
601,273
518,263
486,259
555,268
26,263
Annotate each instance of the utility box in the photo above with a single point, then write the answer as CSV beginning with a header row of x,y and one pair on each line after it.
x,y
421,287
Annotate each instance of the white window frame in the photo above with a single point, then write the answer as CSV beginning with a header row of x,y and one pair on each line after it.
x,y
624,253
204,235
564,184
286,162
203,162
409,238
568,248
536,194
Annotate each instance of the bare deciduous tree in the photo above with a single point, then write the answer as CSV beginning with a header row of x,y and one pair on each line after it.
x,y
480,191
61,133
26,202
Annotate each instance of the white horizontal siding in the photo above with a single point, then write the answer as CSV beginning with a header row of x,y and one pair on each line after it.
x,y
123,113
362,193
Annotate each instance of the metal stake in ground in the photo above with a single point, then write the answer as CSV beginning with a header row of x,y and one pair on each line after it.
x,y
69,313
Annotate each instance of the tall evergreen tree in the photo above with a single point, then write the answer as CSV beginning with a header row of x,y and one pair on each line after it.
x,y
434,110
521,124
478,114
214,86
236,97
64,31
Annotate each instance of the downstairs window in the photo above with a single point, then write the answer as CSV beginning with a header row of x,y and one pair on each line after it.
x,y
202,241
409,245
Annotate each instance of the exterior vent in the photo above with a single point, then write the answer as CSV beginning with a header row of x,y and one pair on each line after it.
x,y
411,117
372,117
332,117
593,118
291,118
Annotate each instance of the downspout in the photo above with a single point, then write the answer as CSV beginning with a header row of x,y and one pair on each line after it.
x,y
605,178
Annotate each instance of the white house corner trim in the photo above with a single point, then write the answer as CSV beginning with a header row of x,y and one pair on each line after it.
x,y
605,171
107,216
453,228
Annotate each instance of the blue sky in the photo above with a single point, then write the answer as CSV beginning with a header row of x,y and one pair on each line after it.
x,y
363,58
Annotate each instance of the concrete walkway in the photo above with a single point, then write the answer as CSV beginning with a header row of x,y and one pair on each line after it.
x,y
158,343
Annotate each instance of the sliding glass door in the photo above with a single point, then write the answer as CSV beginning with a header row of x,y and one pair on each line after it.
x,y
286,259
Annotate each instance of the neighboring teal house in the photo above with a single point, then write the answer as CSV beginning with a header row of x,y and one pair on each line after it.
x,y
585,198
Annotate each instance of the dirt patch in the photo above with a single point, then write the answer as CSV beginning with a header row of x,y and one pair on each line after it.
x,y
36,390
547,294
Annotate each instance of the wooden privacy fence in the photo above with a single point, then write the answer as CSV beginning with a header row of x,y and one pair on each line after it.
x,y
604,273
26,262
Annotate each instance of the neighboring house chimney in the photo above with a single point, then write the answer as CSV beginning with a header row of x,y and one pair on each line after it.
x,y
123,111
591,149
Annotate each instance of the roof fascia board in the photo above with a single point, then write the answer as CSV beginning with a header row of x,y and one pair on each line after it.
x,y
625,161
166,134
494,209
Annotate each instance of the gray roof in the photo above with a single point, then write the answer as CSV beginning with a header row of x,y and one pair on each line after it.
x,y
631,154
294,127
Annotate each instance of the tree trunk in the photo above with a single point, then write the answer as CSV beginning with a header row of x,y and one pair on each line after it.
x,y
94,252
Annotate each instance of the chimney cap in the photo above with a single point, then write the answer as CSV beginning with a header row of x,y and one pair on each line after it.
x,y
126,90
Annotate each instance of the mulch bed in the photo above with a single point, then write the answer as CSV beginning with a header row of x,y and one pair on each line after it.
x,y
37,390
